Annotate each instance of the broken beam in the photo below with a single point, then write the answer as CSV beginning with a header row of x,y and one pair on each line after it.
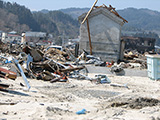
x,y
8,73
3,86
71,69
89,11
89,36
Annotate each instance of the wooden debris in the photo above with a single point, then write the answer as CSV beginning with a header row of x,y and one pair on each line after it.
x,y
72,69
8,73
3,86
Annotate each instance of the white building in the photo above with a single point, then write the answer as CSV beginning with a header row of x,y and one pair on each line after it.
x,y
10,38
103,25
38,37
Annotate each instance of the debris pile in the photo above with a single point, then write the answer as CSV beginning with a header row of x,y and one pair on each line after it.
x,y
136,60
39,63
57,65
137,103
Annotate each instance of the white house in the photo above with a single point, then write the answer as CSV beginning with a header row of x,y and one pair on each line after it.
x,y
37,37
100,32
10,38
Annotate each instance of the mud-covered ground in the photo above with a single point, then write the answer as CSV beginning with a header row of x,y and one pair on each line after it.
x,y
140,100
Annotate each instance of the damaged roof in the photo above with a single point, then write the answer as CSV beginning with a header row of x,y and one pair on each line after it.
x,y
110,8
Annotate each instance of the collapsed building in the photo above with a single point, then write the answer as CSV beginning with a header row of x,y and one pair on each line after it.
x,y
11,37
140,44
36,38
100,32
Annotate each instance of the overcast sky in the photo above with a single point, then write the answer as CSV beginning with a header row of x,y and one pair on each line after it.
x,y
61,4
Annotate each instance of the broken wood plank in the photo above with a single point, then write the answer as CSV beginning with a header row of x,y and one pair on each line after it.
x,y
89,11
7,103
140,60
89,36
118,85
8,73
72,69
3,85
73,58
62,78
63,66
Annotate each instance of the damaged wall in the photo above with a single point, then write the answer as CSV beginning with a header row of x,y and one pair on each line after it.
x,y
105,31
139,43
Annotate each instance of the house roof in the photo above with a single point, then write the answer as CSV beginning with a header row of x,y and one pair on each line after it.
x,y
13,32
35,34
137,38
110,8
12,35
129,37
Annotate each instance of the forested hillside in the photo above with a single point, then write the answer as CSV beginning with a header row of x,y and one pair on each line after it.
x,y
144,19
138,19
9,20
75,12
19,18
65,21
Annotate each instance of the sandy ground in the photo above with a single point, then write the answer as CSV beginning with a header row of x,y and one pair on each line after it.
x,y
61,101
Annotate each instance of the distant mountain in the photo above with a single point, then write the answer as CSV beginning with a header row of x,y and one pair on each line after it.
x,y
45,11
138,19
58,23
65,21
16,17
75,12
19,18
144,19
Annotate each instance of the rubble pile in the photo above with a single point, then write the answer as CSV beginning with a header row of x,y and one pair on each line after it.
x,y
52,64
135,59
39,63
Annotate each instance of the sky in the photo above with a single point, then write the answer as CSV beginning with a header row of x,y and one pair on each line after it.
x,y
36,5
